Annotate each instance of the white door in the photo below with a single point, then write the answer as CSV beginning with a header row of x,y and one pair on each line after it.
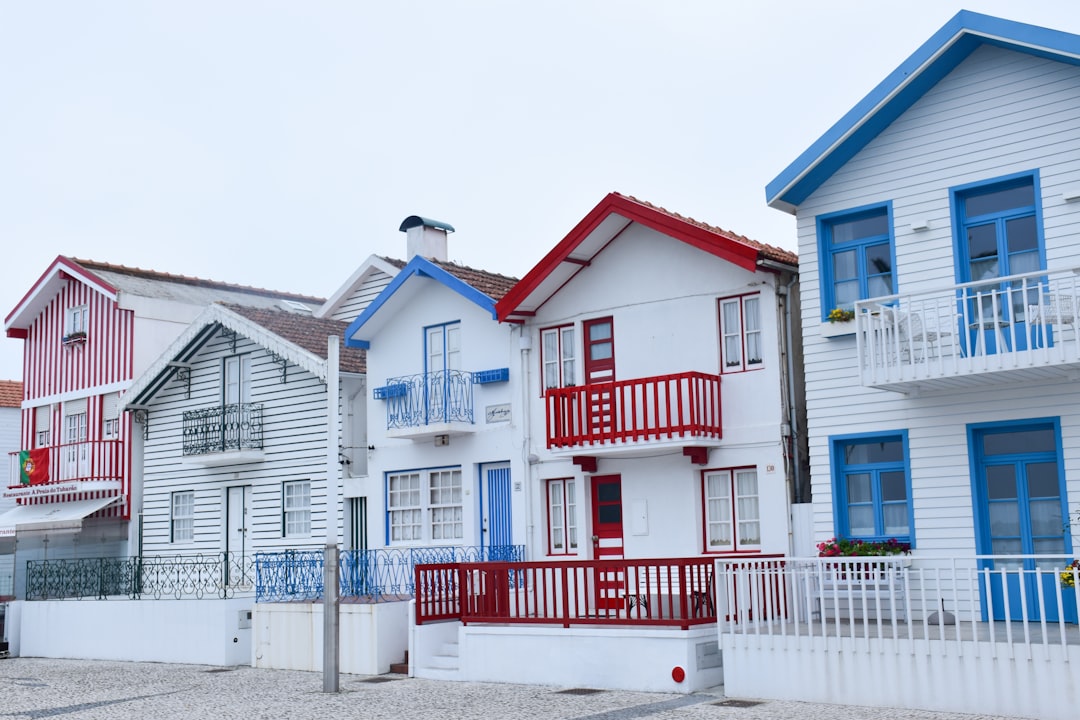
x,y
236,549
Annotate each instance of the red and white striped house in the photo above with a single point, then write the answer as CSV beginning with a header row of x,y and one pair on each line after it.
x,y
89,328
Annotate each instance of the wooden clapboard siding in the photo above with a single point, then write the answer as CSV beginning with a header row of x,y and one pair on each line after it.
x,y
294,448
356,303
997,113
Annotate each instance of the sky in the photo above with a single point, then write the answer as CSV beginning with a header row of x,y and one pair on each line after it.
x,y
279,144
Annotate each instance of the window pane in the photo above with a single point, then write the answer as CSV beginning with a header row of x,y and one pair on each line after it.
x,y
1004,519
610,513
878,260
860,227
873,451
845,265
599,331
982,244
861,520
1046,517
846,293
609,492
1043,480
896,519
858,485
1020,235
893,486
1000,199
1020,441
1001,482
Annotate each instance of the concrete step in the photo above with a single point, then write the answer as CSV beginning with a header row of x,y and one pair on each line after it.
x,y
447,658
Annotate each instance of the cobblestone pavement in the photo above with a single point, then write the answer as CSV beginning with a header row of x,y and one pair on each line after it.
x,y
97,690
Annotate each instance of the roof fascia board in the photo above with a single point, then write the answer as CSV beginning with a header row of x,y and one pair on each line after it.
x,y
48,279
742,255
422,267
934,59
192,340
371,264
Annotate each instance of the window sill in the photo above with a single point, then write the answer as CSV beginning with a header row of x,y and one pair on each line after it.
x,y
837,329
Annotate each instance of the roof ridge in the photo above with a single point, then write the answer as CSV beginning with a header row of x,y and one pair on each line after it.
x,y
775,250
191,280
457,264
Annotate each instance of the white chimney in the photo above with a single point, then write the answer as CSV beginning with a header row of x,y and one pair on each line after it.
x,y
425,237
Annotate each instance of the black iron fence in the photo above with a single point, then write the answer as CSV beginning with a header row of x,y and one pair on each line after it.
x,y
223,428
220,575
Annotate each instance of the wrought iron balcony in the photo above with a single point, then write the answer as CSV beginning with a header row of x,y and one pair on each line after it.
x,y
225,428
428,403
990,331
663,408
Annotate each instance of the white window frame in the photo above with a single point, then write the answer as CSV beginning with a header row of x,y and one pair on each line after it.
x,y
182,516
42,426
76,319
236,380
296,508
728,505
425,507
110,417
560,370
741,337
562,516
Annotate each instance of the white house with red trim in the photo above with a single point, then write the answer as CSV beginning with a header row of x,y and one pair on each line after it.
x,y
89,328
941,213
652,390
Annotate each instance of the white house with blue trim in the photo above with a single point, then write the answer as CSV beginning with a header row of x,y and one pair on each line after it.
x,y
939,246
444,469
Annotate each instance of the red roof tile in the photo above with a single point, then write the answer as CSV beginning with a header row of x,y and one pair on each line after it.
x,y
305,331
11,393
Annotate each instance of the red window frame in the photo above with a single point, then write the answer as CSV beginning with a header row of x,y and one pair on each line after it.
x,y
733,511
568,499
741,364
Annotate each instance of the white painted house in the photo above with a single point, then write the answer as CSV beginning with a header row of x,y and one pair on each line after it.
x,y
649,394
941,211
444,470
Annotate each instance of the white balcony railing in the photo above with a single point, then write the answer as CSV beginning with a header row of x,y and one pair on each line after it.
x,y
984,331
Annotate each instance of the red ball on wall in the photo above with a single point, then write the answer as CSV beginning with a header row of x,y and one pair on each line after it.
x,y
678,674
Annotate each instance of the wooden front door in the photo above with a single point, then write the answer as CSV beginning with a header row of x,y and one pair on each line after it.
x,y
599,376
607,513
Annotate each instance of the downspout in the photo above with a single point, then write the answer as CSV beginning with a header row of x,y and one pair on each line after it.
x,y
792,410
525,344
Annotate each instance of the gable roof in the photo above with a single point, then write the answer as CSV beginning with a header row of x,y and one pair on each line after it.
x,y
372,266
477,286
300,339
603,224
11,393
113,281
938,56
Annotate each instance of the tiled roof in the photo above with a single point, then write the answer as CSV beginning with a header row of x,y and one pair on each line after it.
x,y
769,252
154,275
306,331
11,393
491,284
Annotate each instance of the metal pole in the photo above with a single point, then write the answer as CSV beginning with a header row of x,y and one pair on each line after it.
x,y
331,651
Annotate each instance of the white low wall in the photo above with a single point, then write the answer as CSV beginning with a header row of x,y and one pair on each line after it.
x,y
886,673
606,658
289,636
202,632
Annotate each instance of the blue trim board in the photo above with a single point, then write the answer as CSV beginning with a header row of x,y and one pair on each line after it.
x,y
935,59
421,267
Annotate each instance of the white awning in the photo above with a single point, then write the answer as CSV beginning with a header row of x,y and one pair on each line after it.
x,y
56,517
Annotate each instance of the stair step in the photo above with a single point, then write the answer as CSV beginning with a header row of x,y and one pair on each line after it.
x,y
401,668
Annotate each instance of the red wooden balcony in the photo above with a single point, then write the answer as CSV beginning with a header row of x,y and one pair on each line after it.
x,y
90,460
664,407
674,592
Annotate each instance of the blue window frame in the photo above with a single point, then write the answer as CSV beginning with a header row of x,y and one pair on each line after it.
x,y
857,256
872,486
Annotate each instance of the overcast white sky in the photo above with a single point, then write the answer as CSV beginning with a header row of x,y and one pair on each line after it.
x,y
278,144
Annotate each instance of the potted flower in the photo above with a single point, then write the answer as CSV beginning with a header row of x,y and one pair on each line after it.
x,y
841,315
843,547
1068,575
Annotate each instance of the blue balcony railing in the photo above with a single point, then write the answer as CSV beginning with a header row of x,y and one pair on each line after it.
x,y
376,574
428,398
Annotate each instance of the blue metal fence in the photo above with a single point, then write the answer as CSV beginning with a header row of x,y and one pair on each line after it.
x,y
375,574
434,397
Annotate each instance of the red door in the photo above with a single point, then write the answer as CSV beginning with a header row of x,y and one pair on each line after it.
x,y
599,374
607,514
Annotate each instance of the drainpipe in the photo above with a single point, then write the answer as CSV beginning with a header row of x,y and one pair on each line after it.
x,y
331,652
525,344
793,424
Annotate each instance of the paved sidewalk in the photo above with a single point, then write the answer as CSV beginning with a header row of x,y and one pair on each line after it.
x,y
97,690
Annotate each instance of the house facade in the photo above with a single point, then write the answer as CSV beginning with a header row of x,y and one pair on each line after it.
x,y
445,473
89,329
940,215
660,384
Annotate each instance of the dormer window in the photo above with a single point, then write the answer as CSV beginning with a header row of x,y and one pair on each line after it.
x,y
75,323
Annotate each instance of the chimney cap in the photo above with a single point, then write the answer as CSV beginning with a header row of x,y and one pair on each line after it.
x,y
417,221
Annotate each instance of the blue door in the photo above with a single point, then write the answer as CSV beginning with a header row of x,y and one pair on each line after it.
x,y
1019,492
496,531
